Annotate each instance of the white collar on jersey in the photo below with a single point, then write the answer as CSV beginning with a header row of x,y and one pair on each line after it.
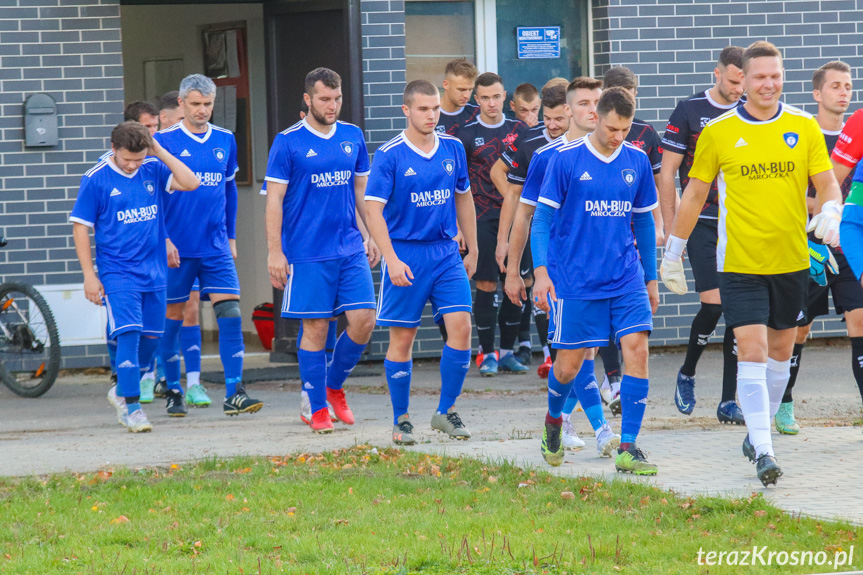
x,y
716,104
498,125
456,113
832,132
428,156
601,157
319,134
197,137
113,166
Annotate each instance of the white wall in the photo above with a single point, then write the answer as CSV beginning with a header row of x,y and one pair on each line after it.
x,y
173,32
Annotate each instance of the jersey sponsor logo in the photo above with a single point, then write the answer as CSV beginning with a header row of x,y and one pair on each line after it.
x,y
115,192
791,139
311,153
185,154
410,172
479,141
150,187
628,176
210,179
135,215
448,166
845,137
347,147
509,139
672,129
432,198
740,143
765,171
329,179
638,143
585,177
440,129
608,208
219,153
704,121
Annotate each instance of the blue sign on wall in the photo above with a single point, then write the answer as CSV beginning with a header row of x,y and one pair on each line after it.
x,y
538,42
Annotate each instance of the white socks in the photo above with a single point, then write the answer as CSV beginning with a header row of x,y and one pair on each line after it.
x,y
778,373
755,403
194,378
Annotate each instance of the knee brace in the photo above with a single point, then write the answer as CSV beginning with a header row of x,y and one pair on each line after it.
x,y
227,308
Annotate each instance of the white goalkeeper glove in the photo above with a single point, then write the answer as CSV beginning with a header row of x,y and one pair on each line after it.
x,y
826,223
671,268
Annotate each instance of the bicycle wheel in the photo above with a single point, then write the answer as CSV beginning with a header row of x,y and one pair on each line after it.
x,y
29,342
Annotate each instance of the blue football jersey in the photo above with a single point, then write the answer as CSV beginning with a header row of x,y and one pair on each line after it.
x,y
319,210
418,188
591,253
126,212
196,221
536,170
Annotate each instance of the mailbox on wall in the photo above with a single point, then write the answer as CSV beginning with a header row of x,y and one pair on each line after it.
x,y
40,121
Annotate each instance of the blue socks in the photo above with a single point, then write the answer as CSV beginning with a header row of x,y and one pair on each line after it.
x,y
313,373
190,344
146,350
454,364
128,377
345,357
557,394
169,353
633,401
587,390
231,351
399,382
112,349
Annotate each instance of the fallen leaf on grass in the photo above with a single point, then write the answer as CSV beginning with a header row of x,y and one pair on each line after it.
x,y
120,519
568,495
760,513
229,497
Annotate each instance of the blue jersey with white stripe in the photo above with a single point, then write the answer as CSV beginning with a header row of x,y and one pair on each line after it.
x,y
319,210
126,212
591,254
196,221
536,170
418,187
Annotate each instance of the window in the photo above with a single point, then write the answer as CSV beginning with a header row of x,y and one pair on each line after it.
x,y
435,33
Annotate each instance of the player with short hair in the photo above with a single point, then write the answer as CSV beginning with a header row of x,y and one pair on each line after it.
x,y
829,271
764,152
525,104
418,188
484,140
598,186
121,199
681,136
170,111
144,113
316,178
582,97
456,109
202,227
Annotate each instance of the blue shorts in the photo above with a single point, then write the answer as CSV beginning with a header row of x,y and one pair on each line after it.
x,y
135,311
439,276
328,288
577,323
217,274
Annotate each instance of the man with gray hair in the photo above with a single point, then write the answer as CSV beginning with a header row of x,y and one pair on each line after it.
x,y
202,226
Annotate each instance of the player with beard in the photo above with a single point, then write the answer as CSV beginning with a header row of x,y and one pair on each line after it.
x,y
681,135
316,178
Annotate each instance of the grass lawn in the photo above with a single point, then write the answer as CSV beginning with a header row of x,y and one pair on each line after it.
x,y
366,510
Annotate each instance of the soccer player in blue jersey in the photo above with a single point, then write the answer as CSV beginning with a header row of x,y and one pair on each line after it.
x,y
418,188
598,187
581,98
202,226
122,198
316,178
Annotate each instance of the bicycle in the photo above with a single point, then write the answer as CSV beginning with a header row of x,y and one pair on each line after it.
x,y
29,341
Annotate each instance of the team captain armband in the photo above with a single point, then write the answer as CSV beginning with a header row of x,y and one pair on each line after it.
x,y
849,146
855,196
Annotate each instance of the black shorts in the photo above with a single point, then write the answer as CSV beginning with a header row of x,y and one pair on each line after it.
x,y
847,292
777,300
486,266
701,248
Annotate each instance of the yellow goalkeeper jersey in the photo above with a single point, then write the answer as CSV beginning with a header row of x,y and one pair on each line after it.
x,y
762,171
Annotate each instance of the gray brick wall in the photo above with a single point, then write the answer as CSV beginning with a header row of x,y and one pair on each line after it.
x,y
70,50
673,47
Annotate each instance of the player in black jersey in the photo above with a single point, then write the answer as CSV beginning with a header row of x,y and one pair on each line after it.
x,y
455,107
484,141
831,88
525,104
685,125
513,165
644,136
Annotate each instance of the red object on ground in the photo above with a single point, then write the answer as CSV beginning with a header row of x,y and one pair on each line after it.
x,y
263,320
